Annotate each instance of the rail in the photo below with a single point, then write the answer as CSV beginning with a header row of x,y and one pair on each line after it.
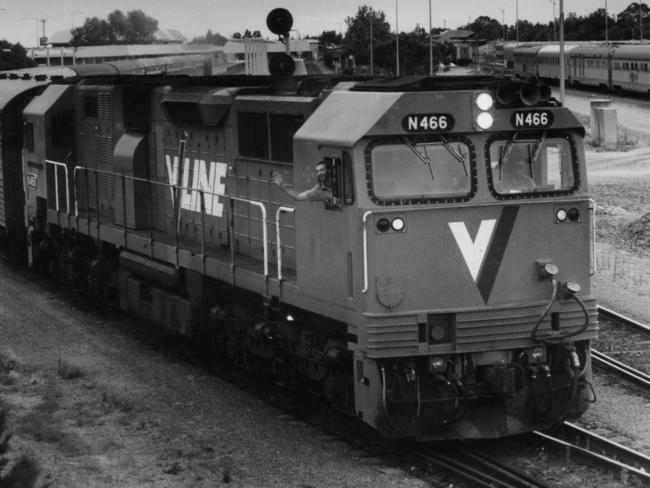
x,y
279,211
56,183
365,250
592,250
614,455
175,190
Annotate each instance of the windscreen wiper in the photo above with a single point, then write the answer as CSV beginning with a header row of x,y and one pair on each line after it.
x,y
537,148
455,152
422,157
505,153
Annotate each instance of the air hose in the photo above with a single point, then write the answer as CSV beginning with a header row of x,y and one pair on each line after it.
x,y
573,289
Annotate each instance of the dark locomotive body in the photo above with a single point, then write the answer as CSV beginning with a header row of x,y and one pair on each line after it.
x,y
429,299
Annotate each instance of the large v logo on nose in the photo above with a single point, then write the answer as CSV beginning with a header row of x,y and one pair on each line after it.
x,y
484,253
473,251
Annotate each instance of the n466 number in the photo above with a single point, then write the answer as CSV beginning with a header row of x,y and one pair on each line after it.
x,y
427,123
532,119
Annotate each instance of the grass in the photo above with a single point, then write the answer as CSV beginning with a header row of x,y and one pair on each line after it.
x,y
68,370
41,423
19,472
113,401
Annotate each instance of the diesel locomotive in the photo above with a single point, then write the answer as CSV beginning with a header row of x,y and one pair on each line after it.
x,y
442,292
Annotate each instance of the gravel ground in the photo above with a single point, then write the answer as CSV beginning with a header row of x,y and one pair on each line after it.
x,y
99,409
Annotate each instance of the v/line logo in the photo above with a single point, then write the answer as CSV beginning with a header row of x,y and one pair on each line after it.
x,y
203,177
484,253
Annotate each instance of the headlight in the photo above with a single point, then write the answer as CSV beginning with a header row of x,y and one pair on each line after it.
x,y
484,120
561,215
484,101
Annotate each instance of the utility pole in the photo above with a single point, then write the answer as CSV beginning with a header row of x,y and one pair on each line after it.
x,y
430,44
396,39
562,94
554,24
517,20
606,28
503,23
372,65
640,22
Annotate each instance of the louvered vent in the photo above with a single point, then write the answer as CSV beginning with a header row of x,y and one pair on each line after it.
x,y
105,104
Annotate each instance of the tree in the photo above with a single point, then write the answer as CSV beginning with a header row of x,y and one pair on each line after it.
x,y
94,32
210,38
133,28
13,56
357,41
486,28
247,35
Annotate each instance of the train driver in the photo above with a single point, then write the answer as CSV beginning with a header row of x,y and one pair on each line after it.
x,y
321,192
515,177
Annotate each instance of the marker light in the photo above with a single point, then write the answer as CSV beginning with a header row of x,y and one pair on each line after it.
x,y
574,214
484,120
398,224
383,225
484,101
561,215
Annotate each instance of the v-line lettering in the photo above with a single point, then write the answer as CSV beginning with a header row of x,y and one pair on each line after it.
x,y
206,177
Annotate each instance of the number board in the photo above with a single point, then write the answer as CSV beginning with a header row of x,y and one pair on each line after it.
x,y
532,119
428,123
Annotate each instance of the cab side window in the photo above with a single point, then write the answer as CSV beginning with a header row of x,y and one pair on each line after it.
x,y
342,180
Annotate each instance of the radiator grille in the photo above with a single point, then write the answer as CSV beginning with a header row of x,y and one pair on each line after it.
x,y
506,328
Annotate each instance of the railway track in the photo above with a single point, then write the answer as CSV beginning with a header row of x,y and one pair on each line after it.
x,y
624,348
577,441
474,468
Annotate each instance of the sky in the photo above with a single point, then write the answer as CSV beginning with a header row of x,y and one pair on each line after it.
x,y
19,19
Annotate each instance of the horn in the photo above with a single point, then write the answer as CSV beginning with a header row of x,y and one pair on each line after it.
x,y
506,94
279,21
545,93
281,64
530,94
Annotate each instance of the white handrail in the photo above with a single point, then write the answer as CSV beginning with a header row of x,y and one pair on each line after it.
x,y
239,199
265,245
56,183
365,251
277,236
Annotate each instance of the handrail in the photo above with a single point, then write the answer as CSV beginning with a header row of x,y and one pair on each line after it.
x,y
56,183
265,246
202,193
365,251
592,258
278,244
